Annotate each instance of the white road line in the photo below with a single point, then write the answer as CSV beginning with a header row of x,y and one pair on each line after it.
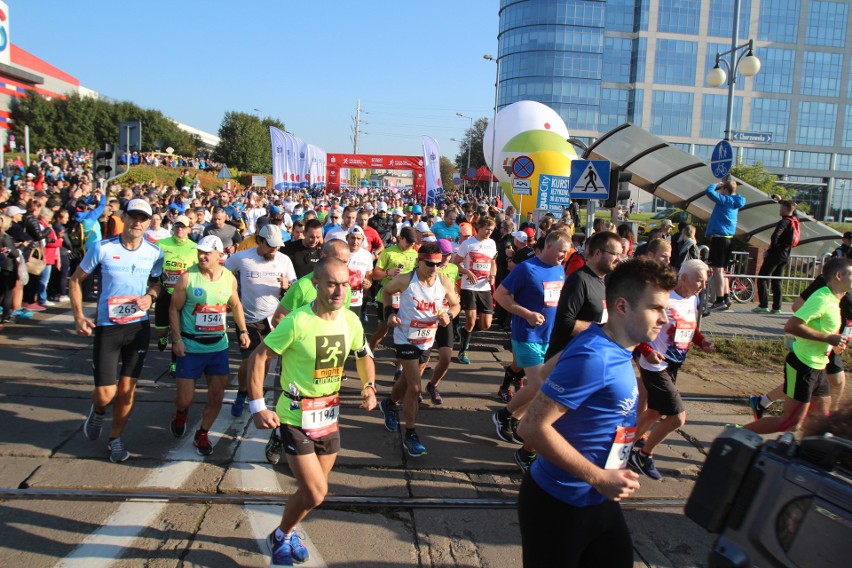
x,y
118,532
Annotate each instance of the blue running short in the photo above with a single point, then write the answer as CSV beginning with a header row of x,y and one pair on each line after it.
x,y
193,365
528,354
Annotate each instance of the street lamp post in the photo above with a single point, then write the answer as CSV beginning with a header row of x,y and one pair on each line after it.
x,y
469,138
491,190
747,64
259,114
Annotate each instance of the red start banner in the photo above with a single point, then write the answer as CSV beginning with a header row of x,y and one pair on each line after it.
x,y
336,162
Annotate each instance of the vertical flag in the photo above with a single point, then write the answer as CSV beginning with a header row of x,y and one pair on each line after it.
x,y
432,160
279,158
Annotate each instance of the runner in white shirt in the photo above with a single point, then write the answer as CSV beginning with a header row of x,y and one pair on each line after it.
x,y
264,274
475,259
360,269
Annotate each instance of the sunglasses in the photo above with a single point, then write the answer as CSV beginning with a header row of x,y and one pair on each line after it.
x,y
431,264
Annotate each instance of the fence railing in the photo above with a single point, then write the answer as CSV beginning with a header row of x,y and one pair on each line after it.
x,y
799,272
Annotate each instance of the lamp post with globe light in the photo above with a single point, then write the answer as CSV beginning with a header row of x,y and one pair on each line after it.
x,y
747,64
469,138
491,190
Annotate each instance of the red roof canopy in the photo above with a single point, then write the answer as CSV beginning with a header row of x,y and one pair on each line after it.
x,y
482,174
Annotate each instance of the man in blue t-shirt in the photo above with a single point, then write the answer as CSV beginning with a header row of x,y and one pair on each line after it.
x,y
447,228
583,422
530,293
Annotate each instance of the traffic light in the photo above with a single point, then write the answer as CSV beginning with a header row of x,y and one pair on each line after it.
x,y
619,187
104,164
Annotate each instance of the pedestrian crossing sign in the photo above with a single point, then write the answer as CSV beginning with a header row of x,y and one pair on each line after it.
x,y
590,179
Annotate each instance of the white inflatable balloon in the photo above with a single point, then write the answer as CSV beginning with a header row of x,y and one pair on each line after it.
x,y
514,119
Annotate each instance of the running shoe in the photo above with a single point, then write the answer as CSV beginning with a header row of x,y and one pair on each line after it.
x,y
504,427
515,423
163,342
202,444
391,414
94,424
287,550
434,394
775,311
117,452
173,369
463,358
643,464
505,395
413,446
273,448
34,307
756,408
48,304
760,310
524,459
178,424
719,306
239,404
63,298
22,313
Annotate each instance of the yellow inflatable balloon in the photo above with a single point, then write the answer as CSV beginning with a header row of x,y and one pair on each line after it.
x,y
550,154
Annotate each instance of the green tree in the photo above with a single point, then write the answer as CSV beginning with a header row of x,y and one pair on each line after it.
x,y
473,140
39,114
447,170
245,142
757,176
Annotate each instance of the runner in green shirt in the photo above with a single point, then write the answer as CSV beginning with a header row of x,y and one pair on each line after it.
x,y
178,255
815,326
313,342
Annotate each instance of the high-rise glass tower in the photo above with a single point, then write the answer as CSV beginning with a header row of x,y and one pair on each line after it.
x,y
600,63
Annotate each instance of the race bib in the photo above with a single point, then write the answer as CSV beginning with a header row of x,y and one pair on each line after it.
x,y
684,331
847,329
319,415
551,293
170,277
210,318
621,446
357,297
480,265
421,332
123,309
604,315
395,301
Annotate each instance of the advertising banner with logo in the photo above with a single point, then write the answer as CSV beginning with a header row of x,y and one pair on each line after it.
x,y
5,41
432,157
338,162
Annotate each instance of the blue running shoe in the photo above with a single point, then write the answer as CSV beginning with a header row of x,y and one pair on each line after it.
x,y
239,405
463,358
391,414
22,313
298,552
756,409
644,464
413,446
279,549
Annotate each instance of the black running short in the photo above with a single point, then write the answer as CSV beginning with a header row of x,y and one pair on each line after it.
x,y
407,352
663,395
801,383
481,302
256,331
835,363
296,443
720,252
445,336
126,342
161,310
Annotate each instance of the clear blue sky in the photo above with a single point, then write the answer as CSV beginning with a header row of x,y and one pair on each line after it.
x,y
412,64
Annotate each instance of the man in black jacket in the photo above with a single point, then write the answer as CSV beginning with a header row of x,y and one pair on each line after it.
x,y
776,258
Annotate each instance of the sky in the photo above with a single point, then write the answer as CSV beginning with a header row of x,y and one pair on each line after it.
x,y
413,65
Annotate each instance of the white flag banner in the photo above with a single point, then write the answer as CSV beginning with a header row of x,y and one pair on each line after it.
x,y
279,158
304,169
292,159
432,159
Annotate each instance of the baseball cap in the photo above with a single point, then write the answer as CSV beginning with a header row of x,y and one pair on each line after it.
x,y
446,246
417,209
398,212
422,227
183,220
530,233
355,229
272,235
368,207
667,223
139,206
521,236
211,243
382,206
13,210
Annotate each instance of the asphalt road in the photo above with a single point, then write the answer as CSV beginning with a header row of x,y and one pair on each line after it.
x,y
65,504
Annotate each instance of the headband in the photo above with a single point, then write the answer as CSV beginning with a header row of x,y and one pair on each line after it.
x,y
430,257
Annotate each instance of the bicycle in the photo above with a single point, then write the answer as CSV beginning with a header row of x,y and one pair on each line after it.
x,y
741,288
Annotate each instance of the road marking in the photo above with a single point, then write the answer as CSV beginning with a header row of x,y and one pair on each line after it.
x,y
117,533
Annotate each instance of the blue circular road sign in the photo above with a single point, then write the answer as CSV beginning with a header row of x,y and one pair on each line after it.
x,y
722,159
522,167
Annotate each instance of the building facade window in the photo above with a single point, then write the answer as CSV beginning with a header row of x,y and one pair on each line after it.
x,y
827,23
614,109
621,15
816,123
702,151
617,57
721,18
635,107
844,162
810,160
714,112
767,157
572,13
847,130
671,113
779,20
710,60
771,115
776,70
823,76
675,62
679,16
638,59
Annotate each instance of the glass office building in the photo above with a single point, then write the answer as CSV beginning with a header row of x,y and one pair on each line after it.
x,y
600,63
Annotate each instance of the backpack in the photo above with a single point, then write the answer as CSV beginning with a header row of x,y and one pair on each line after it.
x,y
74,229
573,263
797,232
